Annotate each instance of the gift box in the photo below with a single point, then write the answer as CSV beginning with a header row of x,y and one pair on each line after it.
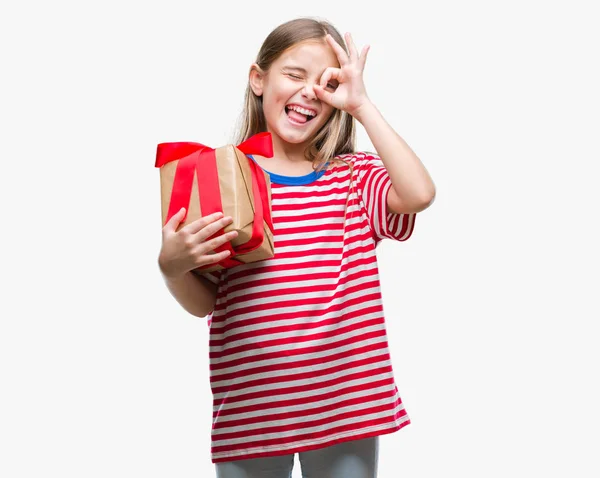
x,y
205,180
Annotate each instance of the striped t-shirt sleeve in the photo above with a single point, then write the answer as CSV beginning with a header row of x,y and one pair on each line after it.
x,y
374,183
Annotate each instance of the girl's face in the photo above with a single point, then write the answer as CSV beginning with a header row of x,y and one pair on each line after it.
x,y
292,111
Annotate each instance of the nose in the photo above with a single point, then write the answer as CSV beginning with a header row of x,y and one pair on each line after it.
x,y
309,92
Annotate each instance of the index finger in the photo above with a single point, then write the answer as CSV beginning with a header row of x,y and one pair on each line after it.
x,y
339,51
197,225
330,74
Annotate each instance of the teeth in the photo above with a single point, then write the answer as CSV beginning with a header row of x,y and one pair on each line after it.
x,y
302,110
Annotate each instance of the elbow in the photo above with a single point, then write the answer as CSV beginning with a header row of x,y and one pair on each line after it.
x,y
203,309
400,205
205,315
420,205
425,199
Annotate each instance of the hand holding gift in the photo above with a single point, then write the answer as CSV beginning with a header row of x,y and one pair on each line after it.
x,y
190,247
203,181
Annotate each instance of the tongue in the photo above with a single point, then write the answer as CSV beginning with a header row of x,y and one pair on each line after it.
x,y
299,117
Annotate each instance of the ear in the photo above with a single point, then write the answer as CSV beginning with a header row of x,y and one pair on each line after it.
x,y
257,78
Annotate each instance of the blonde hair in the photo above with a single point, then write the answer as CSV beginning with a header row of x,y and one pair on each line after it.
x,y
338,135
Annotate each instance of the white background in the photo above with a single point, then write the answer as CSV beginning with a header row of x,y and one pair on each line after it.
x,y
490,305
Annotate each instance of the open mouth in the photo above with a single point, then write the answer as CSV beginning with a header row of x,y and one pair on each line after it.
x,y
299,115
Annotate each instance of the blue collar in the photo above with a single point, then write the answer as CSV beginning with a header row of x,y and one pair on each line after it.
x,y
292,180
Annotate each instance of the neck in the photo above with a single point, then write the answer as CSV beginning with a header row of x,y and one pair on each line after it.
x,y
288,152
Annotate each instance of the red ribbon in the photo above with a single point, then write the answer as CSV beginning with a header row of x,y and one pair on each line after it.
x,y
201,161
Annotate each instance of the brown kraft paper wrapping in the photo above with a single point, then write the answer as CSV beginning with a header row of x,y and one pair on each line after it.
x,y
237,198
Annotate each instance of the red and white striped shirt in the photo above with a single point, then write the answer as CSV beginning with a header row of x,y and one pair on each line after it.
x,y
299,356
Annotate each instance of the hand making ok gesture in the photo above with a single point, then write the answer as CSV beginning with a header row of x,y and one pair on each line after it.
x,y
350,94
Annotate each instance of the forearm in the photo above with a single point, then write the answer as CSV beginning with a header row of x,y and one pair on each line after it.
x,y
195,294
409,177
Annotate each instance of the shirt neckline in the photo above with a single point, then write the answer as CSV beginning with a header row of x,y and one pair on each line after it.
x,y
291,180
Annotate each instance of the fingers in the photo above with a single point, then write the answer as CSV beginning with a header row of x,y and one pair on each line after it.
x,y
183,250
352,56
329,74
211,229
198,231
363,57
339,51
323,95
209,259
172,224
197,225
213,244
351,48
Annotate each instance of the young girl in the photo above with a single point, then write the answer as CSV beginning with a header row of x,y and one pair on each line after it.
x,y
299,360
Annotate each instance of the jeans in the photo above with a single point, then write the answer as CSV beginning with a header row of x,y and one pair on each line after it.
x,y
350,459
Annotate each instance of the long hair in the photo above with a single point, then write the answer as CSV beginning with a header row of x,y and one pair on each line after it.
x,y
338,135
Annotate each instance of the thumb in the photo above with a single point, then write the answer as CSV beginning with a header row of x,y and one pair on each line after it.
x,y
175,220
323,95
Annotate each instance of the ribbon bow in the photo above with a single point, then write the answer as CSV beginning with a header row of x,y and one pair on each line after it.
x,y
201,160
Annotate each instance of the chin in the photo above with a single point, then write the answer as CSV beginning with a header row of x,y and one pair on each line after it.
x,y
291,137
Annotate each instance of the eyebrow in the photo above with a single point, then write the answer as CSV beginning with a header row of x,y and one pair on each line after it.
x,y
291,67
